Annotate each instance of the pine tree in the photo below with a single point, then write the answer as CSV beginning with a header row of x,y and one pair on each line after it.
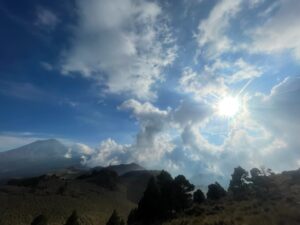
x,y
40,220
115,219
73,219
215,191
198,196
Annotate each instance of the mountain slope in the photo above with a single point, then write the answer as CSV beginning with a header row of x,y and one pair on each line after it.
x,y
124,168
94,195
35,159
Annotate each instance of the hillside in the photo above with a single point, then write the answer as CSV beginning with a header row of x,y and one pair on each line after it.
x,y
278,205
94,194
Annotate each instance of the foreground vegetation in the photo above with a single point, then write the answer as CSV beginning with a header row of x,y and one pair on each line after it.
x,y
102,197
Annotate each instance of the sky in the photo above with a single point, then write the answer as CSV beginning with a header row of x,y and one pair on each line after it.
x,y
190,86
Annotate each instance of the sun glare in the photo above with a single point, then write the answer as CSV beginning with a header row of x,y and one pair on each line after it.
x,y
228,106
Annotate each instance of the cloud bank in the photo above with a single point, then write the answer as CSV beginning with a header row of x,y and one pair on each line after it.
x,y
123,45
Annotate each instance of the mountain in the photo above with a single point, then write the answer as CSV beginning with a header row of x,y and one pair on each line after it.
x,y
37,158
94,194
124,168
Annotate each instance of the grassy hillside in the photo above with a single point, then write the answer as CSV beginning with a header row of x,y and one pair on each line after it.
x,y
94,197
280,205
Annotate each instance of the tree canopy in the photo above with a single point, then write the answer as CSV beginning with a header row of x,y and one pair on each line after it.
x,y
215,191
198,196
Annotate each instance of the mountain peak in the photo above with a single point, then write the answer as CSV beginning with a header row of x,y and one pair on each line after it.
x,y
48,141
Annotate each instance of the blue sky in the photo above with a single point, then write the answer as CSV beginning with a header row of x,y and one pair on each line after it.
x,y
141,80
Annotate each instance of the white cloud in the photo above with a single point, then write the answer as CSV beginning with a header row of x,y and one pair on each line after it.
x,y
46,18
279,111
202,85
123,44
150,145
215,78
212,31
190,112
108,153
80,148
280,32
243,71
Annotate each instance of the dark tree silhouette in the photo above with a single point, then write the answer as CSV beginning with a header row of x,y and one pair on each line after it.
x,y
238,184
163,197
182,197
255,172
215,191
40,220
165,184
198,196
261,182
149,205
73,219
133,216
115,219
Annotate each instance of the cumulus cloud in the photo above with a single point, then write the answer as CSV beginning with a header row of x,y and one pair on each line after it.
x,y
215,78
150,145
174,138
126,52
280,32
279,111
108,153
190,112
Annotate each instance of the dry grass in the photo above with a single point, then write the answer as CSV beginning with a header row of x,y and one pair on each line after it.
x,y
93,204
279,208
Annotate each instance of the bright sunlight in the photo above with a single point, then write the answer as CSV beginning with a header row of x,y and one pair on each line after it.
x,y
228,106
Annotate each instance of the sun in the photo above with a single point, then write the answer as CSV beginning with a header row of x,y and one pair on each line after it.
x,y
228,106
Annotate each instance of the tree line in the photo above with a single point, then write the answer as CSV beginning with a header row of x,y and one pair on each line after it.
x,y
166,196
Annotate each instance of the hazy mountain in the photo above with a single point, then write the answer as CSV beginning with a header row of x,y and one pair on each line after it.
x,y
35,159
124,168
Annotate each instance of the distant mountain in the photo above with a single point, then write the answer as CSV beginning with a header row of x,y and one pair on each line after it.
x,y
37,158
124,168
